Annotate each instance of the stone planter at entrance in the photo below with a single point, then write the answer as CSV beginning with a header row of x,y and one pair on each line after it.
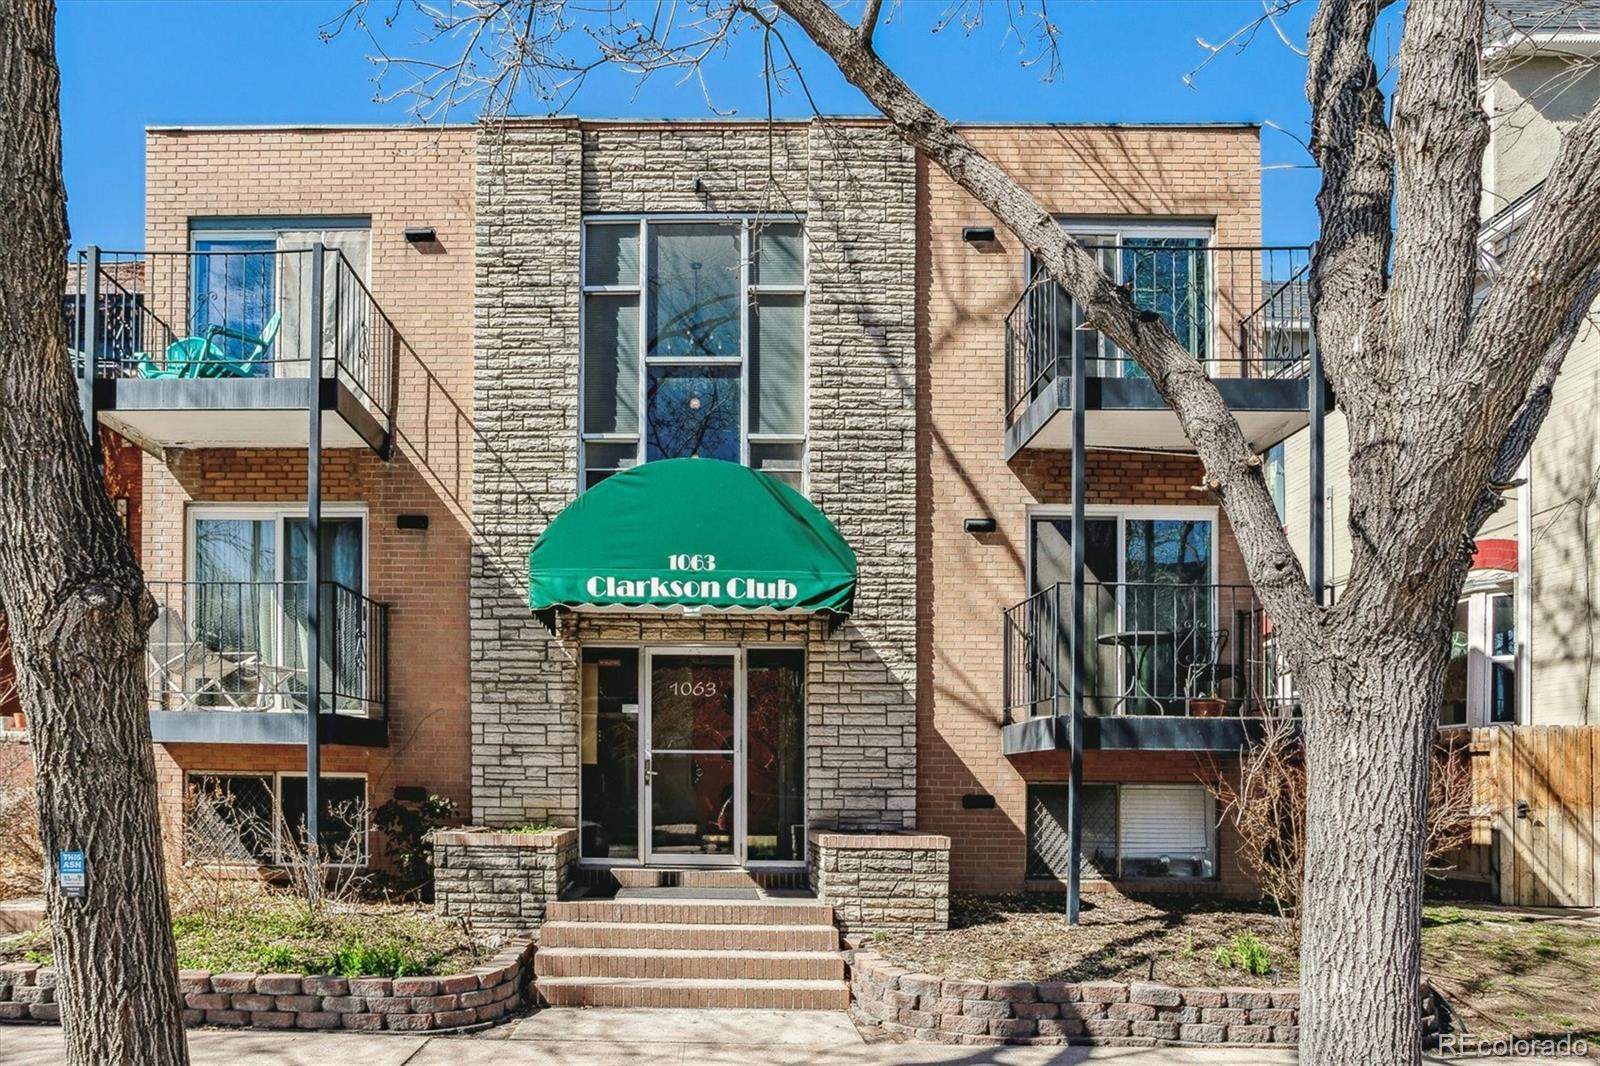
x,y
501,881
887,881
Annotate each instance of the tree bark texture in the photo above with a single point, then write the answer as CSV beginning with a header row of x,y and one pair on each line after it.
x,y
1442,402
77,607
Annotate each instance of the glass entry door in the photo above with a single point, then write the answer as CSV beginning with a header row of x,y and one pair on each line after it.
x,y
692,771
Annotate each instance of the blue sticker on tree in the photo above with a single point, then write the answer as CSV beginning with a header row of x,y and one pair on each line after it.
x,y
71,873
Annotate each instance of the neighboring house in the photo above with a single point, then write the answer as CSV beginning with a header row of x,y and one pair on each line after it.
x,y
1527,637
517,329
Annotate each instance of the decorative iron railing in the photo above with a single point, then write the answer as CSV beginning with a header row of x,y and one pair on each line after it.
x,y
231,315
1243,312
1150,648
243,646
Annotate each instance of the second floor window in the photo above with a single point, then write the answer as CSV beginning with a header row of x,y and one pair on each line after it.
x,y
1166,268
694,343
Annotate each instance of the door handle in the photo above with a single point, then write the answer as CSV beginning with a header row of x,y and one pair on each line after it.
x,y
649,770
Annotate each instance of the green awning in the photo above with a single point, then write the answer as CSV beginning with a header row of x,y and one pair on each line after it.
x,y
692,534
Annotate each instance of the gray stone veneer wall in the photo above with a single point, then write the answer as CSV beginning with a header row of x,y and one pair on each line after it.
x,y
501,882
855,185
897,882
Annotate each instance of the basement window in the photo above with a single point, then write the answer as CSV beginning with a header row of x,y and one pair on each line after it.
x,y
1130,832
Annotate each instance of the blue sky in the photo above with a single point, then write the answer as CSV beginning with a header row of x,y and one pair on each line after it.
x,y
129,64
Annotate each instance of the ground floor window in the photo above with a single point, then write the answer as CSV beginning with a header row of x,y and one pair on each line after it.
x,y
693,755
259,818
1129,832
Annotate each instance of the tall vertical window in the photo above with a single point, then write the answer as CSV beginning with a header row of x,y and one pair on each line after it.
x,y
1480,685
693,343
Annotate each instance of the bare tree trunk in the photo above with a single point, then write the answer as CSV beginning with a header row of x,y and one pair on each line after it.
x,y
1367,783
77,606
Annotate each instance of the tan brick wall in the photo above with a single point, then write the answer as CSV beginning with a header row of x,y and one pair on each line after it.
x,y
398,178
1208,174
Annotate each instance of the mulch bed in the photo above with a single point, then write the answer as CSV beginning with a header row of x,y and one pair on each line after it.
x,y
1171,939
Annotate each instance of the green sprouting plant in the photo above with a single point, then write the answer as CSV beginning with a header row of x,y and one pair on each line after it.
x,y
356,958
879,936
1188,947
43,958
1247,953
277,957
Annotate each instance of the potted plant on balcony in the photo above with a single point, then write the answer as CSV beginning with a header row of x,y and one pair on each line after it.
x,y
1201,691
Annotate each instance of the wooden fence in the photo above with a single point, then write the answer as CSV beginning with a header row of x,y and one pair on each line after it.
x,y
1536,790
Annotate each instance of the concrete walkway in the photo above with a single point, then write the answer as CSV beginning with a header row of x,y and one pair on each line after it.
x,y
617,1037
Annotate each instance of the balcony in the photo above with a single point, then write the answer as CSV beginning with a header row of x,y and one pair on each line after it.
x,y
1243,312
226,663
1167,666
213,349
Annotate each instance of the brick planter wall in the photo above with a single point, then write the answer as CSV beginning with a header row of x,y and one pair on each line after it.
x,y
963,1011
302,1001
898,881
501,882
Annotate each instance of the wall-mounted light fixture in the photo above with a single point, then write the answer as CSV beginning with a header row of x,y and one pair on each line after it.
x,y
421,235
976,526
977,234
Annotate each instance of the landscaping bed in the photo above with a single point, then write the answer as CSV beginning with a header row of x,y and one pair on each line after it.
x,y
1175,940
258,929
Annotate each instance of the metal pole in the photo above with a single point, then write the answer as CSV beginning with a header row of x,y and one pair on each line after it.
x,y
1318,403
89,338
1075,781
314,581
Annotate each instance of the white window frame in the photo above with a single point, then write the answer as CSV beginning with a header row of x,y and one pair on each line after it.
x,y
1122,227
276,777
278,514
740,651
1213,823
748,222
1122,513
1481,658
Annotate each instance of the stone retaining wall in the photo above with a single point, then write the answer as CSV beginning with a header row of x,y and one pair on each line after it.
x,y
501,882
302,1001
963,1011
898,881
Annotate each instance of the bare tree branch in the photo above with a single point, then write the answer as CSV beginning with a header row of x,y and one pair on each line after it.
x,y
1232,470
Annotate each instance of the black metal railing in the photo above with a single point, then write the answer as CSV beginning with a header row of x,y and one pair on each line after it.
x,y
231,315
1150,648
242,646
1244,312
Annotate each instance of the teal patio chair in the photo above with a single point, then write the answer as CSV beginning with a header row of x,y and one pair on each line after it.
x,y
202,357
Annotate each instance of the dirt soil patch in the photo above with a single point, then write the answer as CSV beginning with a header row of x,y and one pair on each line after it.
x,y
1508,973
1178,940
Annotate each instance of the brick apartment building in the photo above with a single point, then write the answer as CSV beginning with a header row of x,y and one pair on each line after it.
x,y
870,633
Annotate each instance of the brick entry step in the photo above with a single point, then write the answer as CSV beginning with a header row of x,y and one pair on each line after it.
x,y
766,954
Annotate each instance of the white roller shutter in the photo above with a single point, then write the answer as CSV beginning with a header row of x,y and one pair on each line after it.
x,y
1165,821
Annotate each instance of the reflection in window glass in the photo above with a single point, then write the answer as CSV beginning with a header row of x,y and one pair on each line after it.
x,y
775,771
611,363
1453,710
692,411
609,746
235,288
341,817
694,291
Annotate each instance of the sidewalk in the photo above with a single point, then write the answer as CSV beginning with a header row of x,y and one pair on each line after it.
x,y
610,1037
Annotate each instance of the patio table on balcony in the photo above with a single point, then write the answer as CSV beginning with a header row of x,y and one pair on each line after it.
x,y
1139,643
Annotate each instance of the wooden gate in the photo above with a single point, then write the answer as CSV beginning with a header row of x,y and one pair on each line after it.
x,y
1537,789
